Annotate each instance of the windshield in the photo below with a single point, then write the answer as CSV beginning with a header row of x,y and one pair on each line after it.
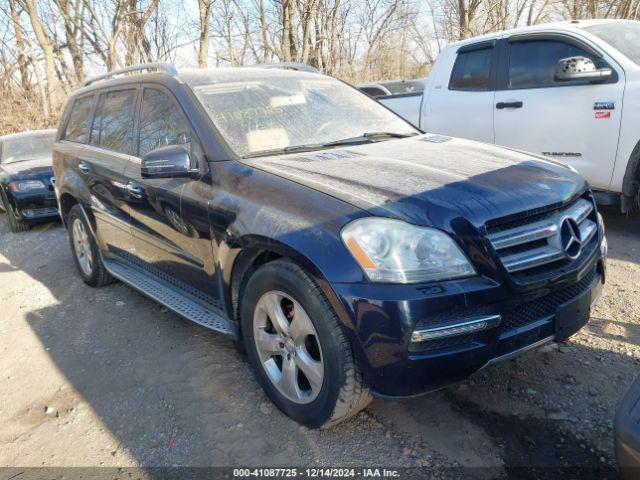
x,y
28,147
623,36
276,111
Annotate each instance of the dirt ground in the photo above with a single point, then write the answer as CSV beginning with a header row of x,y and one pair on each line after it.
x,y
109,378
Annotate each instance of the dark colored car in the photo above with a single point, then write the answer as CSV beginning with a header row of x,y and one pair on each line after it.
x,y
627,433
26,178
347,252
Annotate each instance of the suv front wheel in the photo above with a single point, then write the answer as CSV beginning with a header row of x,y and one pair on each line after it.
x,y
298,351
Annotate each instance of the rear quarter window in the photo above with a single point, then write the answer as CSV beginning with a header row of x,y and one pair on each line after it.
x,y
472,70
77,129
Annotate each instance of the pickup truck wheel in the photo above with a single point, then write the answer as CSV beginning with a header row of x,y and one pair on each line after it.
x,y
85,250
299,353
15,224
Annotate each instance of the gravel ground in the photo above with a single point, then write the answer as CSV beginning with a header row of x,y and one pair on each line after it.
x,y
109,378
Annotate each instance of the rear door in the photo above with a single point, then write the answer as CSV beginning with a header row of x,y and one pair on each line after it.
x,y
576,123
461,103
171,238
102,165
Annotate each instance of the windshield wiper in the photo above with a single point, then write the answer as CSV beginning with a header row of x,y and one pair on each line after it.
x,y
281,151
369,137
364,138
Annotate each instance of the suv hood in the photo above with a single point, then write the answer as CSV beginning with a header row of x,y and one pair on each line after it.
x,y
29,168
431,179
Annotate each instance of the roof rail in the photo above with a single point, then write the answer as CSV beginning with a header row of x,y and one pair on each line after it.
x,y
159,67
298,66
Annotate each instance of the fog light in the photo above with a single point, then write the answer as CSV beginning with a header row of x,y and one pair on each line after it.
x,y
470,326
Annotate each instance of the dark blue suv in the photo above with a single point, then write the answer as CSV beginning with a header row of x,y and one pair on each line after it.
x,y
348,253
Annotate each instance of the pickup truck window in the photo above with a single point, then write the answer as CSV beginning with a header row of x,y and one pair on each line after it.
x,y
623,36
472,70
77,129
113,124
532,64
277,110
161,122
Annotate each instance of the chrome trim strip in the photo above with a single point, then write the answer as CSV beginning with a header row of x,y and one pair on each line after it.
x,y
587,231
581,210
514,237
516,353
532,258
470,326
88,149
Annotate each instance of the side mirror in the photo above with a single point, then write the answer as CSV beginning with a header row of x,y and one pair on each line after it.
x,y
173,161
580,68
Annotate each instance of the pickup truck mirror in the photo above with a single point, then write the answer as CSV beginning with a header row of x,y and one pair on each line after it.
x,y
580,68
173,161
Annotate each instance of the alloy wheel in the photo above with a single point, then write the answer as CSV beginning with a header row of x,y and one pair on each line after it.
x,y
288,347
82,247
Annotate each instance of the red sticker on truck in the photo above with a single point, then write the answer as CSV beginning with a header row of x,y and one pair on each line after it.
x,y
603,114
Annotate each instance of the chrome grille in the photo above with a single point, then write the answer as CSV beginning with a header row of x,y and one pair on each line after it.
x,y
559,236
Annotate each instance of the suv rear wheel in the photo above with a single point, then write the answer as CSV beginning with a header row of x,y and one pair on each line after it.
x,y
297,349
85,250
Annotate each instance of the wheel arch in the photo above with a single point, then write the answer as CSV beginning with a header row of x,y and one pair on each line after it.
x,y
255,251
66,203
631,181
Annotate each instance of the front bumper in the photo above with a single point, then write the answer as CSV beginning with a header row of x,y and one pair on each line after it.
x,y
384,317
35,207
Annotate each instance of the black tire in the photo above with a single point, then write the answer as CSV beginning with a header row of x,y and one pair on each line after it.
x,y
15,224
99,276
343,392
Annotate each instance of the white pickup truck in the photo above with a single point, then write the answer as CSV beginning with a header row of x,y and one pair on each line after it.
x,y
569,91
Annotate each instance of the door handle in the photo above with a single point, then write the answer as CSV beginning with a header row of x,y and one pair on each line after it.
x,y
84,168
134,190
502,105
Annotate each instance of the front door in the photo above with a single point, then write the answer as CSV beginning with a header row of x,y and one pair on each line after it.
x,y
166,241
575,123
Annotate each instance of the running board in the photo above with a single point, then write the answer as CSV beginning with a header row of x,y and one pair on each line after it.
x,y
168,296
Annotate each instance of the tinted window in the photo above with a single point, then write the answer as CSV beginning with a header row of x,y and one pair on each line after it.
x,y
533,64
113,124
472,70
161,122
79,120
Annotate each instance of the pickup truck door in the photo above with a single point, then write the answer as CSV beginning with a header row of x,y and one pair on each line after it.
x,y
576,123
171,242
460,101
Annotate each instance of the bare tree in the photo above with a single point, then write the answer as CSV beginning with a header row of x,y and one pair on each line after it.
x,y
204,7
53,84
20,45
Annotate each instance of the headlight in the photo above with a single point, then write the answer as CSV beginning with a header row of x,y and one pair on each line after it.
x,y
26,185
396,252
